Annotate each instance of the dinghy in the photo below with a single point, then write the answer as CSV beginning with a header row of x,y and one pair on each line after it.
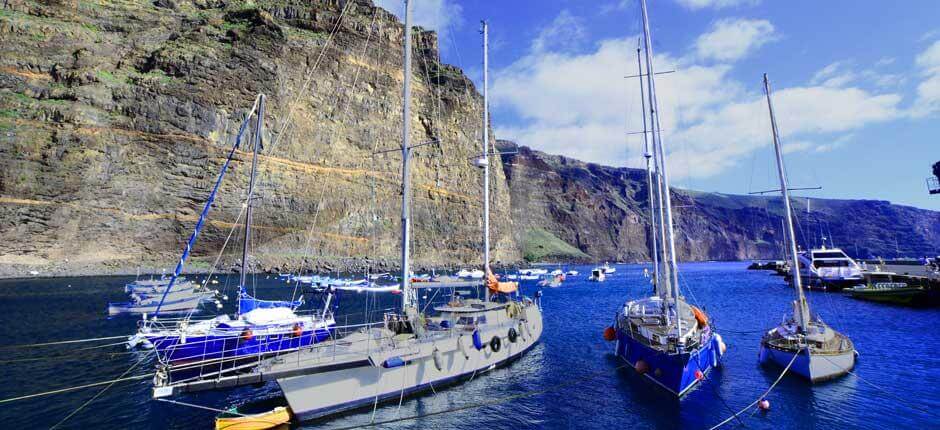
x,y
234,420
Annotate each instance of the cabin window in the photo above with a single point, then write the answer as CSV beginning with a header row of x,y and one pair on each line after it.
x,y
835,263
828,255
465,321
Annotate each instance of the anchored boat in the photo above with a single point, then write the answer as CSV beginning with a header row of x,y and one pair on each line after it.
x,y
829,268
668,341
802,343
258,329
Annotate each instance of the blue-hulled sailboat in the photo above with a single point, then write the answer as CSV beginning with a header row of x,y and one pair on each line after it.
x,y
665,339
260,327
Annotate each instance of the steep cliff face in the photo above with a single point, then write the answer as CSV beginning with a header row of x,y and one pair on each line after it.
x,y
115,118
602,212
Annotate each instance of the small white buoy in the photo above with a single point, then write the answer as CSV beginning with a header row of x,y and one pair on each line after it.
x,y
763,405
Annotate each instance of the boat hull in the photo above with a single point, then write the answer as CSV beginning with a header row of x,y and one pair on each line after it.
x,y
815,367
676,372
369,382
233,345
911,296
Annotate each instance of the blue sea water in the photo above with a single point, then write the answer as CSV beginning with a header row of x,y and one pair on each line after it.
x,y
569,380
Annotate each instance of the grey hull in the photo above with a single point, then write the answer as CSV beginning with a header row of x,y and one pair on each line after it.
x,y
429,362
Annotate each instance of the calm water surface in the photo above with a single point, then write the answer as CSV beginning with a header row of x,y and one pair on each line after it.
x,y
897,387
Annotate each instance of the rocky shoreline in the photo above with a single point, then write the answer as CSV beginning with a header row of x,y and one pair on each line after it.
x,y
202,267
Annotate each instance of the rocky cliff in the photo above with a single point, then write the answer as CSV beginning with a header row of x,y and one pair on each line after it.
x,y
601,211
115,118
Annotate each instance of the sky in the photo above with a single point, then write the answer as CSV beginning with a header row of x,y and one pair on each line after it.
x,y
856,87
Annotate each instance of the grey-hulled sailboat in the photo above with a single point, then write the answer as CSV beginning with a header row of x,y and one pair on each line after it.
x,y
802,342
407,352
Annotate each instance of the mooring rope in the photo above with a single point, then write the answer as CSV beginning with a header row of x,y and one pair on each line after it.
x,y
762,396
488,403
92,399
77,387
63,342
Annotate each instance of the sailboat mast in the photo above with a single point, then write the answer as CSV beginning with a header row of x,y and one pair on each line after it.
x,y
406,165
665,202
251,189
486,158
654,248
802,308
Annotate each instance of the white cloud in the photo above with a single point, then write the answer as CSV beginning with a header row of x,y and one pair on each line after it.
x,y
715,4
732,39
580,105
566,32
928,91
438,15
842,73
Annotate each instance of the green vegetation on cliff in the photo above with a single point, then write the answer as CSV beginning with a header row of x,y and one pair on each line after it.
x,y
541,245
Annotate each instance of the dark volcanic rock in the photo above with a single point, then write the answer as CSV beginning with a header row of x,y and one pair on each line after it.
x,y
602,211
115,119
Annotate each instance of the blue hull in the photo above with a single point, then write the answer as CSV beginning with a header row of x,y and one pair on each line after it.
x,y
233,346
674,372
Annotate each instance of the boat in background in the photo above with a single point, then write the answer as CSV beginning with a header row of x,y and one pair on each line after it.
x,y
829,268
663,338
881,286
608,269
802,343
597,275
531,272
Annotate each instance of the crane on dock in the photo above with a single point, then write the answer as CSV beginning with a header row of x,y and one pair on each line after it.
x,y
933,182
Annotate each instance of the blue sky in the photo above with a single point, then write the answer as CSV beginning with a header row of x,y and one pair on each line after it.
x,y
857,86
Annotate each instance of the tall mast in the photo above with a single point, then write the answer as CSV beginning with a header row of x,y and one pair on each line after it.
x,y
486,158
406,166
654,248
259,129
665,202
802,308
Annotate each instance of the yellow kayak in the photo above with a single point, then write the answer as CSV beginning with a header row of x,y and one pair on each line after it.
x,y
267,420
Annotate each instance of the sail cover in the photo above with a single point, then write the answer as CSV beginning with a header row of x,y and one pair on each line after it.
x,y
247,303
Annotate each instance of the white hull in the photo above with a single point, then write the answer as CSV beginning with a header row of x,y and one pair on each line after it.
x,y
815,367
320,394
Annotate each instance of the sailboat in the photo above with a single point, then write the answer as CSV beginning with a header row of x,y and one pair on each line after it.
x,y
802,342
260,327
665,339
408,351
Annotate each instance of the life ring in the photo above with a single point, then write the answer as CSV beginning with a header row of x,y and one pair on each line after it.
x,y
247,335
496,344
298,330
512,335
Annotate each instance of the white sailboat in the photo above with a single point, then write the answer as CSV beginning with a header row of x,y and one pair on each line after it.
x,y
802,342
407,352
